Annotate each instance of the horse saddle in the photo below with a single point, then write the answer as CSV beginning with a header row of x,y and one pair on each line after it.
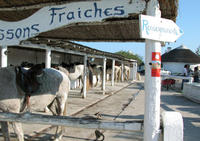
x,y
27,79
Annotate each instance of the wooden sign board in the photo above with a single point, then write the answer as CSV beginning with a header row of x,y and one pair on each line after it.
x,y
52,17
159,29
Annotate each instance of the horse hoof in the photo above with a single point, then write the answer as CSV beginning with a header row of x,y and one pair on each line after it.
x,y
46,110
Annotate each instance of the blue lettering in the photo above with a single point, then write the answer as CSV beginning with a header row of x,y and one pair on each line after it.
x,y
86,13
10,32
106,11
60,16
79,12
34,27
119,10
53,13
96,10
145,25
1,35
27,29
18,33
70,15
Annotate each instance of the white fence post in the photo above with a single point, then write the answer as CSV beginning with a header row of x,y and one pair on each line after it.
x,y
48,59
172,126
85,77
152,82
4,57
134,70
113,73
122,74
104,75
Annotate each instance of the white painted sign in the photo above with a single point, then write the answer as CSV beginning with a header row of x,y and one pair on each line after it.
x,y
52,17
159,29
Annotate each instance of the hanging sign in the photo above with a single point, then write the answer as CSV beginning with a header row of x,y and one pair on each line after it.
x,y
52,17
159,29
156,64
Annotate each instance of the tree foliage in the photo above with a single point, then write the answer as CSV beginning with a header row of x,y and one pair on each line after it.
x,y
198,51
130,55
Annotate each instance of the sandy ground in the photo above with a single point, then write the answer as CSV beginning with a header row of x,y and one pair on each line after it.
x,y
127,104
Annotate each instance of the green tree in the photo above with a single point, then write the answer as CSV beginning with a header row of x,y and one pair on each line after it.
x,y
130,55
198,51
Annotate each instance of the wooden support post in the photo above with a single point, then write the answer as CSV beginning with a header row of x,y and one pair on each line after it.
x,y
85,77
4,58
48,59
152,83
122,74
104,76
113,73
134,71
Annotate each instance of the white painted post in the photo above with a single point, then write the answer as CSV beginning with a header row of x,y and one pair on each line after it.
x,y
48,59
122,74
172,126
113,73
4,58
85,77
134,71
152,84
104,76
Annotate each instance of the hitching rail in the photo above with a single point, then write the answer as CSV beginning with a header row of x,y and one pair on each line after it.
x,y
90,123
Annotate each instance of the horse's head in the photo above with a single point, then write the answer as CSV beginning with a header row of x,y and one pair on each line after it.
x,y
27,79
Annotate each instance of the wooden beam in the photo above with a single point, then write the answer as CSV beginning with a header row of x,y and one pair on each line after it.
x,y
32,6
28,44
89,123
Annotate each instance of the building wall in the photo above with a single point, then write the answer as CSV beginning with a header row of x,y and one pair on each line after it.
x,y
17,56
175,67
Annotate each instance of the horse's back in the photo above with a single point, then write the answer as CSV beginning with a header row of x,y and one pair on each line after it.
x,y
53,83
8,86
9,96
7,75
50,81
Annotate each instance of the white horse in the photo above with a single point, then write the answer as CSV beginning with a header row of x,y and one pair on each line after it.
x,y
16,85
127,72
97,70
117,73
77,72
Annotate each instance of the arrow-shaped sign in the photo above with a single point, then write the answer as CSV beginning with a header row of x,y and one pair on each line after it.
x,y
159,29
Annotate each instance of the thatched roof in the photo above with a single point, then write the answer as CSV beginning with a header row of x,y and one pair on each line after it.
x,y
181,54
123,29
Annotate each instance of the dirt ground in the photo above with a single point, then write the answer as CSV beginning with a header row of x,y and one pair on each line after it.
x,y
127,104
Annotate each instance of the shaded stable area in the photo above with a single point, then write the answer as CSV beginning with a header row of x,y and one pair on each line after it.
x,y
122,102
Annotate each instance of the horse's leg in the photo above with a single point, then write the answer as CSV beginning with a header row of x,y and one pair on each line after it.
x,y
82,85
97,79
62,103
18,130
5,131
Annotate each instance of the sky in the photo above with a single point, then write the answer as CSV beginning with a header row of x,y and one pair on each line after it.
x,y
188,20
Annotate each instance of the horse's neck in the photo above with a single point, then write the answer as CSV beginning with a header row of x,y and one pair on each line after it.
x,y
79,69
